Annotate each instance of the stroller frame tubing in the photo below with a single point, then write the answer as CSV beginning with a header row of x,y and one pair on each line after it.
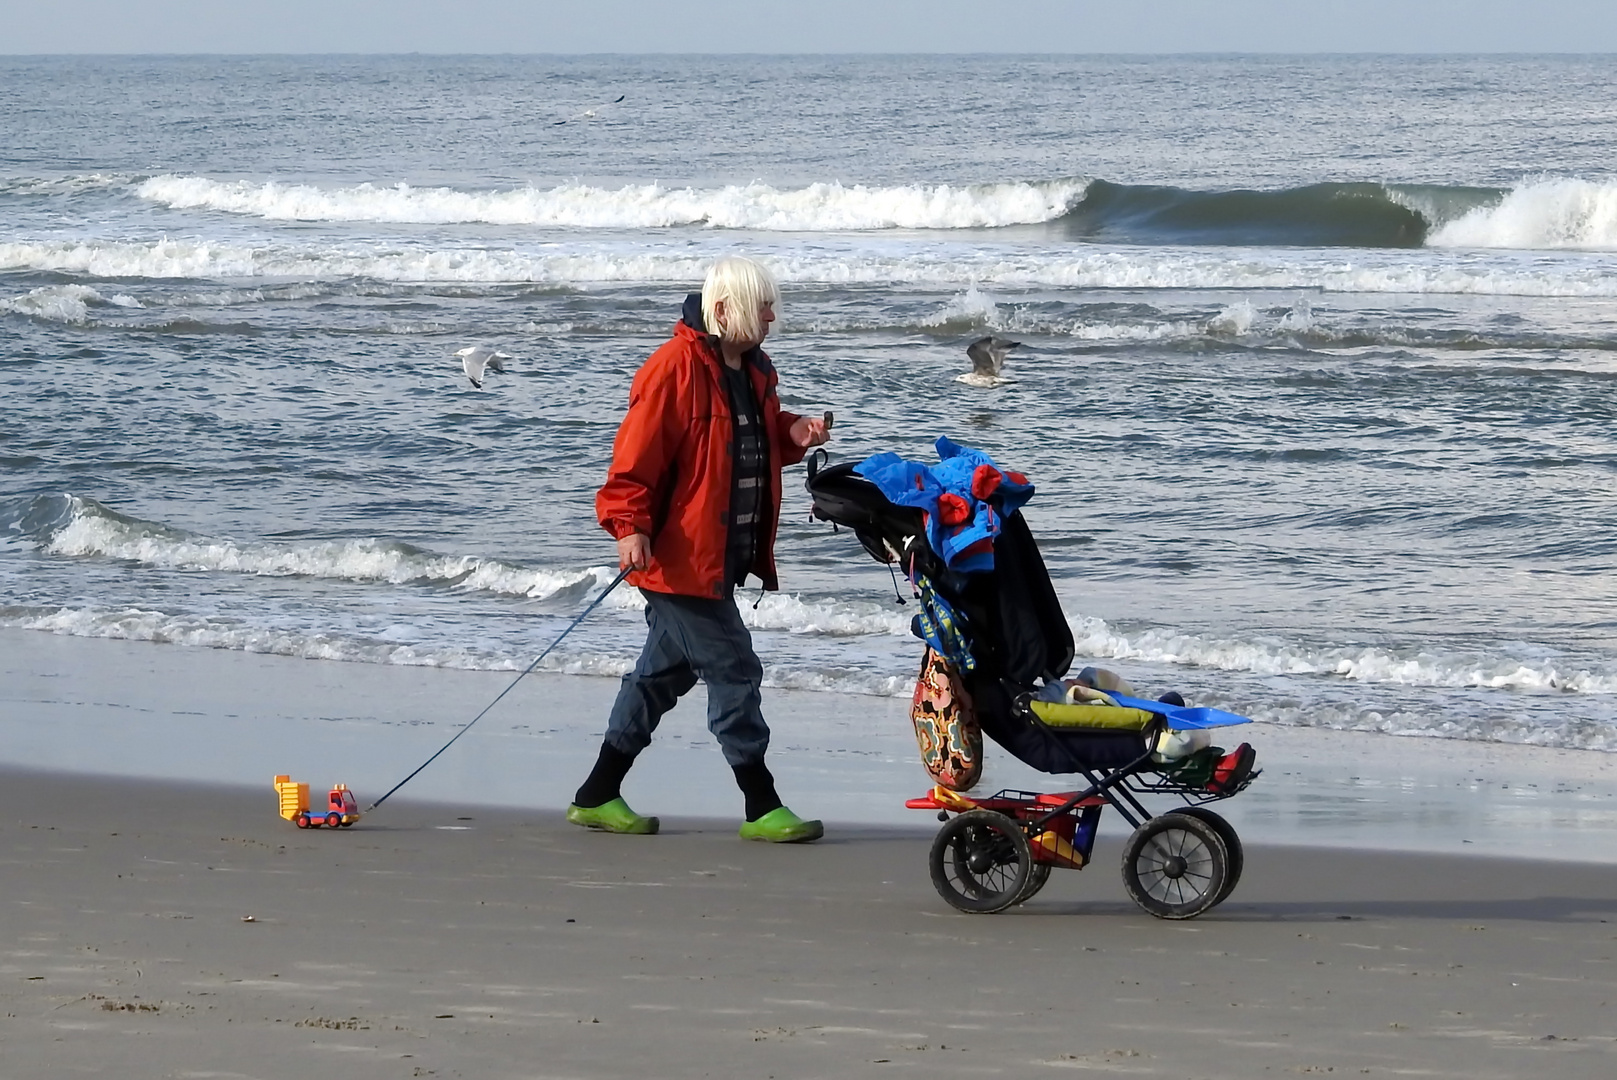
x,y
1111,789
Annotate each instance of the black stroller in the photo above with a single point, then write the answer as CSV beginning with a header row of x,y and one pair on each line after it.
x,y
998,851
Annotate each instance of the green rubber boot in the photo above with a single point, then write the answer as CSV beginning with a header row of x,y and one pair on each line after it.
x,y
781,826
614,816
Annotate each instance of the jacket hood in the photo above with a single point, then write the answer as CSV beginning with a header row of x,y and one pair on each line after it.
x,y
691,314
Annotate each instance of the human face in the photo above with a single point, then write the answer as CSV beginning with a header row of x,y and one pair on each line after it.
x,y
766,315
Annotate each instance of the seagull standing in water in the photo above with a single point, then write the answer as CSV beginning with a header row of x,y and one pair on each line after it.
x,y
987,358
475,359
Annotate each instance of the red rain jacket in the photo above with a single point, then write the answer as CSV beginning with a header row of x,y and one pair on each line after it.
x,y
671,464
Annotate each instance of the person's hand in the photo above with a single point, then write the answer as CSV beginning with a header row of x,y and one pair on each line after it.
x,y
634,551
810,431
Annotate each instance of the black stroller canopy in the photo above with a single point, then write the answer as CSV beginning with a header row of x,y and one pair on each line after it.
x,y
1020,635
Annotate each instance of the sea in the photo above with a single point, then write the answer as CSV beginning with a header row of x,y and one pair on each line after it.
x,y
1317,373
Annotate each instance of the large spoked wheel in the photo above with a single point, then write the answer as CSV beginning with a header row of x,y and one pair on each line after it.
x,y
1037,876
981,862
1175,866
1232,845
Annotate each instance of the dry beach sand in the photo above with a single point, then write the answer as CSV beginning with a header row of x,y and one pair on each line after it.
x,y
155,927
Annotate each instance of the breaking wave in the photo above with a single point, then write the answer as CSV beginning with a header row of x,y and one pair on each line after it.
x,y
72,526
1563,213
63,303
1360,664
1534,215
198,631
1546,213
823,207
954,267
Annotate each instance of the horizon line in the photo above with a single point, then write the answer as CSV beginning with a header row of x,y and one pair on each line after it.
x,y
846,53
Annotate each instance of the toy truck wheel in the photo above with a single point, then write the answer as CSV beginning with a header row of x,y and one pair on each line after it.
x,y
346,823
333,820
301,821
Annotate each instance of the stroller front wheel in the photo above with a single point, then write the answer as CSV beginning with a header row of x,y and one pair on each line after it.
x,y
981,862
1232,845
1175,866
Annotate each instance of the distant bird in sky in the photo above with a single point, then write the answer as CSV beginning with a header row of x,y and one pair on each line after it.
x,y
987,358
590,113
475,359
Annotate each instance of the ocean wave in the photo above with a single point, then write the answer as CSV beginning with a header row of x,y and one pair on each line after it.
x,y
83,527
1537,727
1544,214
821,207
951,267
1501,721
1368,665
197,631
36,186
1317,215
1299,324
1547,213
1535,215
63,303
73,526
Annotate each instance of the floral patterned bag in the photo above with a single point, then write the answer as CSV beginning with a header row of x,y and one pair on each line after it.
x,y
946,725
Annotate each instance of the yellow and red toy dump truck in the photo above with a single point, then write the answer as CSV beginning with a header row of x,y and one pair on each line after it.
x,y
341,809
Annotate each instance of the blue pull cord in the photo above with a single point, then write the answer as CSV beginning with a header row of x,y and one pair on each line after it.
x,y
622,574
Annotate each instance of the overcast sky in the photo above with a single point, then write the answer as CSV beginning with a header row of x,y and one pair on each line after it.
x,y
813,26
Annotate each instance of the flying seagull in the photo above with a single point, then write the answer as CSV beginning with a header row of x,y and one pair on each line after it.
x,y
590,114
987,358
475,359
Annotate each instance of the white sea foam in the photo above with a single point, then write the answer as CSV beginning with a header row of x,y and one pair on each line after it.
x,y
61,185
973,305
196,631
1234,320
55,303
91,531
1352,662
1559,213
1417,722
824,207
954,266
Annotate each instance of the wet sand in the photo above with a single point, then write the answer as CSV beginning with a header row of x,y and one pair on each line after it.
x,y
160,929
161,711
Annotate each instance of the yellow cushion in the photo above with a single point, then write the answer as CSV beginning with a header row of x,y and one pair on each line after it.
x,y
1105,717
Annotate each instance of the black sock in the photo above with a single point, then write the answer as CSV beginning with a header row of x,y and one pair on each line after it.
x,y
605,781
758,788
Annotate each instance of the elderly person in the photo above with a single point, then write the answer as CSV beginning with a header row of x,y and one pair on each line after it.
x,y
693,498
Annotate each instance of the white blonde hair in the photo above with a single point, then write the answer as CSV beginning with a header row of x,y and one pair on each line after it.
x,y
745,287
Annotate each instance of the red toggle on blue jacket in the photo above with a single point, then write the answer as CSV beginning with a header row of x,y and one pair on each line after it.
x,y
964,496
